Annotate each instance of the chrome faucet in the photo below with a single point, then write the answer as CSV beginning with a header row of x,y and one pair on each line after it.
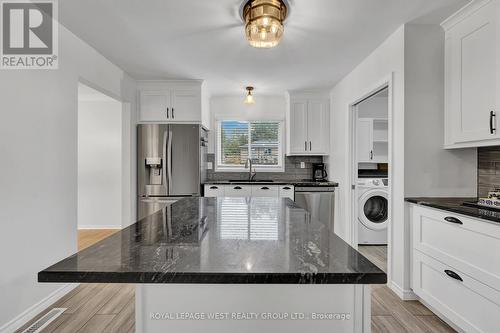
x,y
251,174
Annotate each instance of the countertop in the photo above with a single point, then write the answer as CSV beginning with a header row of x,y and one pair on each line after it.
x,y
221,240
455,205
305,183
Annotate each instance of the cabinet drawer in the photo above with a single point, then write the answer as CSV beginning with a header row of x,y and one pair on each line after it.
x,y
214,190
265,191
238,191
462,242
287,191
469,304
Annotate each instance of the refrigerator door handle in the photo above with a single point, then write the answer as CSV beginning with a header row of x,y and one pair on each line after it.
x,y
169,154
164,165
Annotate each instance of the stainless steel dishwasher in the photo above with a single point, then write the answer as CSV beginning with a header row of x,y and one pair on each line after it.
x,y
318,201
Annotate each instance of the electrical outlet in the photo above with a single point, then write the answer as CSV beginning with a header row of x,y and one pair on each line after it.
x,y
302,165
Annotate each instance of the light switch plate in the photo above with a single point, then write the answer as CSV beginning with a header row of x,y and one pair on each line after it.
x,y
210,165
302,165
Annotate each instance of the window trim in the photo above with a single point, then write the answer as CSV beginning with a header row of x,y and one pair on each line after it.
x,y
219,167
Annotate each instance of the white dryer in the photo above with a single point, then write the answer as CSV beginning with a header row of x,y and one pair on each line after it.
x,y
373,209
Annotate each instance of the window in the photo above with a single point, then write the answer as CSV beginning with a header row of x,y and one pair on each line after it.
x,y
259,140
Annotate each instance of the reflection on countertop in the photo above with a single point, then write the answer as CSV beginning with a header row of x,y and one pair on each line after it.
x,y
221,240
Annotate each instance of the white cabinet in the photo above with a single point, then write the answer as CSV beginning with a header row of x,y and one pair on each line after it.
x,y
154,105
214,191
308,126
170,102
265,191
287,191
452,267
372,140
235,190
472,76
238,191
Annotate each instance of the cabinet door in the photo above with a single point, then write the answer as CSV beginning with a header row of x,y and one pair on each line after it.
x,y
364,134
154,105
317,127
298,127
473,76
186,105
287,191
238,191
265,191
214,190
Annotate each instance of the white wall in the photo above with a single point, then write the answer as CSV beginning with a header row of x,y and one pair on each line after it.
x,y
386,60
233,108
440,172
418,159
375,107
99,164
38,168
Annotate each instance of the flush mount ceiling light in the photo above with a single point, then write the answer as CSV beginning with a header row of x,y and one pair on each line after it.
x,y
249,98
264,21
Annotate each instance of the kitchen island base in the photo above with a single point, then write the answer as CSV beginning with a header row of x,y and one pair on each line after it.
x,y
248,308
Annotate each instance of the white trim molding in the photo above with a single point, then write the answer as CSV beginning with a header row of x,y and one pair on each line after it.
x,y
37,308
99,227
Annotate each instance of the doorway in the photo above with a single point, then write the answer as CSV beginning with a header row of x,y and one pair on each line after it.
x,y
370,161
99,160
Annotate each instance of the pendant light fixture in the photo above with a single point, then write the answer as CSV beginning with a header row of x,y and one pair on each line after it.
x,y
249,98
264,22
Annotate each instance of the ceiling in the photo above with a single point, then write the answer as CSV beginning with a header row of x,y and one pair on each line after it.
x,y
202,39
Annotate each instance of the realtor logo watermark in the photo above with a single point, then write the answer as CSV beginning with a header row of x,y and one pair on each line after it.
x,y
28,34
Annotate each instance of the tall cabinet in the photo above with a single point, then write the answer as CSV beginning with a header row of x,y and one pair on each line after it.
x,y
472,76
308,118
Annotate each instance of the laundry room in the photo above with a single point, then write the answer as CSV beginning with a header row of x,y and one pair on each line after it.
x,y
372,179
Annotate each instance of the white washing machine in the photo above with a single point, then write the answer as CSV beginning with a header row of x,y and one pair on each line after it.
x,y
373,209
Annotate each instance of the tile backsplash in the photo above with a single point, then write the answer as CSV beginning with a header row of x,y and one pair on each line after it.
x,y
488,171
292,170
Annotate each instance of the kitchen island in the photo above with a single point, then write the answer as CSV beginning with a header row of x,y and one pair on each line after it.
x,y
232,265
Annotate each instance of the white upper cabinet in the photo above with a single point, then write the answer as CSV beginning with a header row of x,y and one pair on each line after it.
x,y
372,140
308,125
170,101
154,105
298,126
471,76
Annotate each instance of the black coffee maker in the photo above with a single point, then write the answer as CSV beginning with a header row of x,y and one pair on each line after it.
x,y
319,172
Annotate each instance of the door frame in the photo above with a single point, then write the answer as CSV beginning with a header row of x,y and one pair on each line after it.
x,y
128,200
386,82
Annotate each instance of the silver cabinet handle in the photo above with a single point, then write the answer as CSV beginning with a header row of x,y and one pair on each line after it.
x,y
168,116
492,126
287,188
371,154
310,146
214,188
305,145
237,188
264,188
173,115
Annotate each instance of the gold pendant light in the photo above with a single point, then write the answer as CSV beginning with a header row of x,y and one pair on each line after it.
x,y
249,99
264,22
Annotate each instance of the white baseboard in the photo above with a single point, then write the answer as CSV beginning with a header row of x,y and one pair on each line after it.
x,y
98,227
405,295
35,309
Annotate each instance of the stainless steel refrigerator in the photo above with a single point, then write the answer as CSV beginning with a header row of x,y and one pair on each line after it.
x,y
171,164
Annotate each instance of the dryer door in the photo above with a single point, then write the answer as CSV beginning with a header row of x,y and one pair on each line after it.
x,y
373,209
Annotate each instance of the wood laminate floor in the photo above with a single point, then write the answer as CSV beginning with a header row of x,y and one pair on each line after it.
x,y
95,308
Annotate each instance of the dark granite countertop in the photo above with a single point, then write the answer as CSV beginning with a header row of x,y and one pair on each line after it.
x,y
221,240
275,182
455,205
